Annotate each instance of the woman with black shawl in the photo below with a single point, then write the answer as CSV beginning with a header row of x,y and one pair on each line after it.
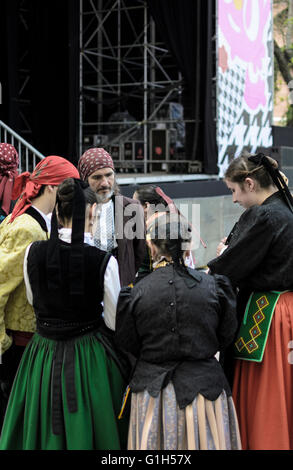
x,y
172,323
259,263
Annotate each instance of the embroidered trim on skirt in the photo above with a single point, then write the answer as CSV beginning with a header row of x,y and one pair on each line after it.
x,y
159,424
262,392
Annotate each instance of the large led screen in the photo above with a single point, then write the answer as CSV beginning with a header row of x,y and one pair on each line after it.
x,y
244,77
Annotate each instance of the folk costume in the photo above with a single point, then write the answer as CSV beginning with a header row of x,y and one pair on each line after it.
x,y
9,162
25,225
172,323
68,390
113,230
259,262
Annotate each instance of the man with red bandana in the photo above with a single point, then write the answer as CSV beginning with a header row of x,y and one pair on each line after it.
x,y
113,228
29,222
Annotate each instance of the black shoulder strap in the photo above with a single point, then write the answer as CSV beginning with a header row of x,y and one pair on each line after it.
x,y
37,216
103,267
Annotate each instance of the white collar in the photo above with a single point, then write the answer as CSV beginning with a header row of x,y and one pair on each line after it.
x,y
102,206
46,218
65,236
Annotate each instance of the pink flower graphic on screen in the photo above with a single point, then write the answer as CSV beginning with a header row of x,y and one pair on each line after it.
x,y
243,24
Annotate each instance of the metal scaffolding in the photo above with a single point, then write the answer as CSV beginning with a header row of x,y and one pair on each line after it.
x,y
23,97
130,88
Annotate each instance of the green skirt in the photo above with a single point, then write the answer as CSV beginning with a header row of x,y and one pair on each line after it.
x,y
99,389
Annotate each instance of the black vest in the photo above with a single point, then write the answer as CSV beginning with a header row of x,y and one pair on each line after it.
x,y
59,314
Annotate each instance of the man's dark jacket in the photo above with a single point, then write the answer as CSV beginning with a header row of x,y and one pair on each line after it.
x,y
130,237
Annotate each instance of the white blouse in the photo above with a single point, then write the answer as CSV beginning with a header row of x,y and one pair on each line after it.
x,y
111,280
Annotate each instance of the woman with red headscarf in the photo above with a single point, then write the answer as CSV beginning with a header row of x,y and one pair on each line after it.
x,y
8,172
36,195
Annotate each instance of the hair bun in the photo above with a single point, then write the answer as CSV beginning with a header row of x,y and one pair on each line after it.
x,y
66,190
273,162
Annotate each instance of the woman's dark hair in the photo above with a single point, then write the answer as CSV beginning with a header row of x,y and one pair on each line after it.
x,y
41,190
148,194
73,195
242,167
170,233
65,195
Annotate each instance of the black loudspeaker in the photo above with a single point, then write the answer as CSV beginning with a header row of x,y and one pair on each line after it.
x,y
139,151
115,152
284,157
282,136
128,150
159,145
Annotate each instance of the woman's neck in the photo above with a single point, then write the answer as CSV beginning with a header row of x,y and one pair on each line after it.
x,y
68,224
265,194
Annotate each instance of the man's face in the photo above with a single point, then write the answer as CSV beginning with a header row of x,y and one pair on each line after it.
x,y
102,183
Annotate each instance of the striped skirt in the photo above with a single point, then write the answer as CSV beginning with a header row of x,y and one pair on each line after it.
x,y
159,424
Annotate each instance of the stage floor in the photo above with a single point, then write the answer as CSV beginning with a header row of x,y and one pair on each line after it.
x,y
160,177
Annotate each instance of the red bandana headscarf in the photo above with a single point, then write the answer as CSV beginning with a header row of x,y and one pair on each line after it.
x,y
49,171
8,172
173,209
92,160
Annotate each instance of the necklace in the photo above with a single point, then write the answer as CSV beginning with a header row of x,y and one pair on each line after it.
x,y
162,264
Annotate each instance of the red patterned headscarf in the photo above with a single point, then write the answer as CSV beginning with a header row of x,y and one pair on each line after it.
x,y
173,209
51,170
8,172
92,160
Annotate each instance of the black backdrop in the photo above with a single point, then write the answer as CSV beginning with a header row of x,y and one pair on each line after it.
x,y
187,27
53,42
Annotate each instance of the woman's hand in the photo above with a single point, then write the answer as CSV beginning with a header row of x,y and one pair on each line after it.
x,y
221,246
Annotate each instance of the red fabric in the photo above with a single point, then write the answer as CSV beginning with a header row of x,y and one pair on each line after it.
x,y
92,160
21,338
174,210
8,171
51,170
262,392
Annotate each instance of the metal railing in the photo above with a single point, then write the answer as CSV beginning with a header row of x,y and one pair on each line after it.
x,y
28,155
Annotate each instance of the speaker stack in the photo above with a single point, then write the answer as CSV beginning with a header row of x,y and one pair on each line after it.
x,y
159,148
284,157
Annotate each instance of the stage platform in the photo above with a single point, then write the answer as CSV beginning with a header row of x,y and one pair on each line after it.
x,y
160,177
176,186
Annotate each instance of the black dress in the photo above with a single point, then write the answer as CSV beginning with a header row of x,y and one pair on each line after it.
x,y
173,322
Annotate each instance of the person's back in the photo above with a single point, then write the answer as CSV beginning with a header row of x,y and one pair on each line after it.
x,y
173,322
68,365
184,318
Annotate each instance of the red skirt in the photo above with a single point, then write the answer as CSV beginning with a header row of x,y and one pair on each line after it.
x,y
263,392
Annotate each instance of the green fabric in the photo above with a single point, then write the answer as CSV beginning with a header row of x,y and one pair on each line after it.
x,y
254,330
99,389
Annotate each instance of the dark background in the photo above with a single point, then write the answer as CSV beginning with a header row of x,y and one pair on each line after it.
x,y
49,48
